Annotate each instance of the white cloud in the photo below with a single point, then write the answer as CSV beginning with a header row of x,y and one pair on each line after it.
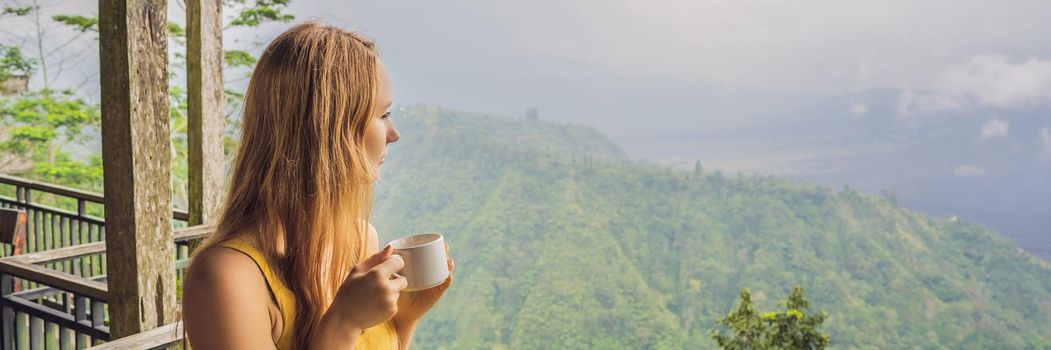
x,y
994,80
994,128
911,102
1045,136
968,171
859,109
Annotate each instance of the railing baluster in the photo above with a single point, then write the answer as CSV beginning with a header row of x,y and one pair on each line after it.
x,y
7,286
81,314
31,226
65,334
50,335
67,240
96,263
36,333
22,330
81,238
97,314
49,231
65,338
41,243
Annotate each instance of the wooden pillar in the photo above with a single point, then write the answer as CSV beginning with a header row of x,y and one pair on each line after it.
x,y
136,158
204,58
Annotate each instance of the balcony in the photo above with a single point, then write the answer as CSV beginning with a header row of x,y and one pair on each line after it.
x,y
54,292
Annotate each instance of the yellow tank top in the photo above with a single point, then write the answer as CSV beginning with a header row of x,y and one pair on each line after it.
x,y
379,337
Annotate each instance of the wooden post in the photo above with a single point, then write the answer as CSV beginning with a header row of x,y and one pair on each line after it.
x,y
136,158
204,83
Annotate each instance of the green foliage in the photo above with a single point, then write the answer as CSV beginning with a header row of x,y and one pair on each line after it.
x,y
39,127
791,328
40,124
561,242
239,58
18,10
176,30
79,23
260,11
13,62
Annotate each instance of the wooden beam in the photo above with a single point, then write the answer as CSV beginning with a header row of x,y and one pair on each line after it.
x,y
45,256
168,334
51,188
178,214
204,85
58,279
136,163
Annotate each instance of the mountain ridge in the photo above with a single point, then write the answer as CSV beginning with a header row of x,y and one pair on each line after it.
x,y
561,240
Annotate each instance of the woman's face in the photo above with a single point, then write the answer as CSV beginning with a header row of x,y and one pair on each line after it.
x,y
380,130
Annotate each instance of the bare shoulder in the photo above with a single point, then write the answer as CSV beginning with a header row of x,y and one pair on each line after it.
x,y
225,302
219,267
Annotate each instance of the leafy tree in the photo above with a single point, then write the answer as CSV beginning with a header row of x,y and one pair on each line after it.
x,y
41,125
13,62
791,328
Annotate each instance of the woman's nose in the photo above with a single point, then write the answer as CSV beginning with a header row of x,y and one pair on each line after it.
x,y
393,135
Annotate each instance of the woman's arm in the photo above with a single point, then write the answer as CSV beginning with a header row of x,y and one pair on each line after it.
x,y
335,334
225,302
405,331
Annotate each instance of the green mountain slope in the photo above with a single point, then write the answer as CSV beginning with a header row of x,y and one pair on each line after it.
x,y
562,243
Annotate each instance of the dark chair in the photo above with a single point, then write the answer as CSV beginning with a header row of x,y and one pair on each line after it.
x,y
13,226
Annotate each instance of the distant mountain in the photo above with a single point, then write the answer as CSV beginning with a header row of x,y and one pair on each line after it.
x,y
987,165
563,243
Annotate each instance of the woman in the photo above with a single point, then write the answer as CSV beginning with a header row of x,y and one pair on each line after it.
x,y
293,263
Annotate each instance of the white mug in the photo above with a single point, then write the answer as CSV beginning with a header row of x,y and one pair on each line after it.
x,y
426,265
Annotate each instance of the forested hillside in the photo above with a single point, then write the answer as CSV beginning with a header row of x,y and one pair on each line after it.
x,y
561,242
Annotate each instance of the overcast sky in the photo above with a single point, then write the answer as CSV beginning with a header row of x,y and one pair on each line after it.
x,y
698,63
824,46
679,64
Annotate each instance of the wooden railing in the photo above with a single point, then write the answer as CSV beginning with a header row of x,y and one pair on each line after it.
x,y
67,311
54,296
68,223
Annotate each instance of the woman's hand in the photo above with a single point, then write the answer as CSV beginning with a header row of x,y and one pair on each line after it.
x,y
372,289
369,296
413,305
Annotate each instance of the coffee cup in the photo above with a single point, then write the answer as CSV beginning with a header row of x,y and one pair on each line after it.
x,y
426,265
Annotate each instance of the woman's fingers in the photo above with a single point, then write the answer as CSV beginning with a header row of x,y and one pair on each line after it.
x,y
376,259
392,265
448,281
399,282
445,285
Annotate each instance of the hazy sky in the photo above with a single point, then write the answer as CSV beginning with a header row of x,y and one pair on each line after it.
x,y
697,64
812,45
634,68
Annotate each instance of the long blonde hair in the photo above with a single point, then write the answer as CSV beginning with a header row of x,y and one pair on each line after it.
x,y
301,169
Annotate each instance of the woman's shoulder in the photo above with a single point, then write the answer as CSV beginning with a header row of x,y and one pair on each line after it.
x,y
222,289
225,272
220,263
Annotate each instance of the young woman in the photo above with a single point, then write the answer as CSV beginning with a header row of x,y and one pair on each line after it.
x,y
294,262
